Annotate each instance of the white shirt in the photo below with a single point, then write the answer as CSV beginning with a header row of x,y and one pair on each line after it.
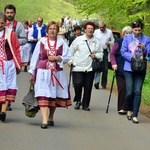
x,y
103,37
66,55
80,53
30,34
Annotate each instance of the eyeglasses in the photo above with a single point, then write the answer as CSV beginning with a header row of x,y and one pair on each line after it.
x,y
90,28
52,29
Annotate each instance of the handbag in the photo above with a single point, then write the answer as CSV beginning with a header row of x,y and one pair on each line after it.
x,y
96,63
138,63
30,103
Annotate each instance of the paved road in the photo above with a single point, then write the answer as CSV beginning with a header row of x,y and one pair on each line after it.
x,y
74,129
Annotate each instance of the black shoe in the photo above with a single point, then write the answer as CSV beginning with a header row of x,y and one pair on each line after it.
x,y
50,123
77,106
2,116
9,107
129,115
96,85
86,108
25,69
44,126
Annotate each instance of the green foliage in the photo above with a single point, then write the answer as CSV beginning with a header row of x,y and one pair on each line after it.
x,y
146,93
117,14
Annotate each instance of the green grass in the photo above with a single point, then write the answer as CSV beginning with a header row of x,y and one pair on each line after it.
x,y
145,90
48,9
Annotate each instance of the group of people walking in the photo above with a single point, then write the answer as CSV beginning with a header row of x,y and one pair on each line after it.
x,y
49,53
129,83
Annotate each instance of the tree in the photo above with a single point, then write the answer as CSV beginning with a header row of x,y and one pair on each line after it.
x,y
117,14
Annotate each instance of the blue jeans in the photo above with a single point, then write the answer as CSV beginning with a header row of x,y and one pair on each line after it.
x,y
104,71
97,77
134,83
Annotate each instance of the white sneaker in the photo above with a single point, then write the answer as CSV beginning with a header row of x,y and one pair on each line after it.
x,y
135,120
122,112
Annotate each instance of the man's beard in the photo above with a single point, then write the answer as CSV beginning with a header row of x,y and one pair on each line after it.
x,y
10,18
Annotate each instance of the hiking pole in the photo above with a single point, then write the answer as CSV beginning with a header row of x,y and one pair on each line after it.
x,y
110,92
71,67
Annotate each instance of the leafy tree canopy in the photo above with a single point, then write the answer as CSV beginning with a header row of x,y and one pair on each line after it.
x,y
117,14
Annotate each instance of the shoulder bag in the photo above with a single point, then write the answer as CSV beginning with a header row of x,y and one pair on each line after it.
x,y
96,63
138,63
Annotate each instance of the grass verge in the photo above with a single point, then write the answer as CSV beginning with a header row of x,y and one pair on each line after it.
x,y
145,103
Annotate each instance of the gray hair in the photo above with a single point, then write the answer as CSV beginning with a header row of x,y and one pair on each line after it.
x,y
126,29
2,15
102,22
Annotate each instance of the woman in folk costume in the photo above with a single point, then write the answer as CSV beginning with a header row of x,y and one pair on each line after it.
x,y
46,70
25,50
9,66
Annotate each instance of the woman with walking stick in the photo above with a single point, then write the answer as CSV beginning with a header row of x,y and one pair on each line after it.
x,y
117,62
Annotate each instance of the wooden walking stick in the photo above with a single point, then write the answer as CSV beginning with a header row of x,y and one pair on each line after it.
x,y
110,91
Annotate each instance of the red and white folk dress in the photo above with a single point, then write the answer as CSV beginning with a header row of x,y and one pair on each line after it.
x,y
51,85
8,76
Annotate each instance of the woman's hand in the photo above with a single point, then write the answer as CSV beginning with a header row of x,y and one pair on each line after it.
x,y
70,64
92,56
31,79
54,58
18,71
115,67
141,46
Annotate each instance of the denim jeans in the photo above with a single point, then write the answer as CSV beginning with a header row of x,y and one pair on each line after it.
x,y
134,83
104,71
97,77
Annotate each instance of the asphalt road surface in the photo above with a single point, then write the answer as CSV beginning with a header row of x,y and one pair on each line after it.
x,y
74,129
